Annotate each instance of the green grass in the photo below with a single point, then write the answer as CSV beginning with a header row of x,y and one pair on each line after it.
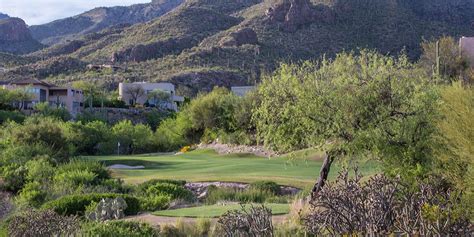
x,y
217,210
206,165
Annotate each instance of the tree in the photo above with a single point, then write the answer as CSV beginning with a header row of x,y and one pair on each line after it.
x,y
160,98
451,64
135,92
455,136
90,89
366,105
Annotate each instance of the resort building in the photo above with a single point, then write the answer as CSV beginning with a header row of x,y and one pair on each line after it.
x,y
241,90
152,94
65,97
467,49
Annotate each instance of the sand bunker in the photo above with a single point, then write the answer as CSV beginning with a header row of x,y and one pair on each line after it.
x,y
126,167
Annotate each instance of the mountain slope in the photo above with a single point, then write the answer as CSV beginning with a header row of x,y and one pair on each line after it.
x,y
99,19
15,37
203,43
4,16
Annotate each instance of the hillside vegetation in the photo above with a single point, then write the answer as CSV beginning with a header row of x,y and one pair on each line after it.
x,y
100,18
201,41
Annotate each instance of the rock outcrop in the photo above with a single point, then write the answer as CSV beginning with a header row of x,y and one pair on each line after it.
x,y
15,37
296,13
240,37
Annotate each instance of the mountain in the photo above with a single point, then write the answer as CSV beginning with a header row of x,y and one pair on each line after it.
x,y
203,43
4,16
99,19
15,37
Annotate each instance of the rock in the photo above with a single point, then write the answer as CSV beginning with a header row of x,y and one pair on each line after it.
x,y
14,29
296,13
240,37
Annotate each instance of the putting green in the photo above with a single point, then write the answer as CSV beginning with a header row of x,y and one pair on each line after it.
x,y
300,170
218,210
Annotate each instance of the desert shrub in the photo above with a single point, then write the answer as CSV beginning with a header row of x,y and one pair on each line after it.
x,y
133,138
86,138
11,116
173,133
42,223
269,186
171,231
61,113
257,221
77,204
38,132
118,229
40,170
33,194
203,226
13,177
243,196
172,190
155,117
141,188
93,167
154,202
383,205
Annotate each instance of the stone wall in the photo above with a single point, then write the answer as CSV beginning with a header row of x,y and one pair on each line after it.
x,y
115,115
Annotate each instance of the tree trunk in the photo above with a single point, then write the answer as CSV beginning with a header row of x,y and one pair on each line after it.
x,y
324,172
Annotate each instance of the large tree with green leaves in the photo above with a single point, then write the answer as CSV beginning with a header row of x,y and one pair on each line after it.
x,y
366,105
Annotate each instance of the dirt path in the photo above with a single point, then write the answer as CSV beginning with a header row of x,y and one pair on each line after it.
x,y
163,220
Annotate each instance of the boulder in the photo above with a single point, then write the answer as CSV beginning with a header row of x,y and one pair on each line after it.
x,y
240,37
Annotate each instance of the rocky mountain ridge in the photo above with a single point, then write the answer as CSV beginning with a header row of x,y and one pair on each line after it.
x,y
203,43
100,18
15,37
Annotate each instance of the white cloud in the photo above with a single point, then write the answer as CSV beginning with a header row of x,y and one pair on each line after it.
x,y
36,12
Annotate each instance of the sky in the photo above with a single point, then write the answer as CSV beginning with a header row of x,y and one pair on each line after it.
x,y
36,12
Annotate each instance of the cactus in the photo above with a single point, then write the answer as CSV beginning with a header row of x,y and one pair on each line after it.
x,y
108,209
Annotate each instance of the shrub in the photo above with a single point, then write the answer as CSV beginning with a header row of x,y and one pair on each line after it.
x,y
118,229
269,186
383,205
11,116
172,190
77,204
42,223
141,188
46,110
154,203
94,167
254,222
203,226
13,177
32,195
171,231
244,196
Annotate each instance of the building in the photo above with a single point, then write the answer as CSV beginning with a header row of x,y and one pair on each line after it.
x,y
242,90
66,97
143,93
467,49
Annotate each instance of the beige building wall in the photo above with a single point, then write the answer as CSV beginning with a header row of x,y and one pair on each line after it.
x,y
126,96
467,48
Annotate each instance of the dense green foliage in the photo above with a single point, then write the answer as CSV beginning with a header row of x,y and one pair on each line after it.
x,y
76,204
455,152
119,229
357,105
